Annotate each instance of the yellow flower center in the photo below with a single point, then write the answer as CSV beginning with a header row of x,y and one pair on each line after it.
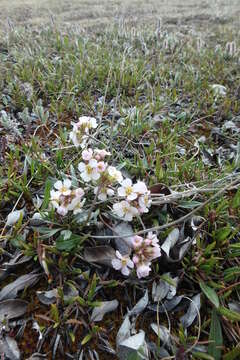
x,y
128,190
89,169
124,262
125,209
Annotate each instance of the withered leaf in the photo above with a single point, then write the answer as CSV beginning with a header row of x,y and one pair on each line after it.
x,y
12,308
100,254
11,290
9,349
105,307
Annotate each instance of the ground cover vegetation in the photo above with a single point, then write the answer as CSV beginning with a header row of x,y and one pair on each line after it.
x,y
119,201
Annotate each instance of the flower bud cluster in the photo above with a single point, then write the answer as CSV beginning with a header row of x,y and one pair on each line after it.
x,y
65,199
145,250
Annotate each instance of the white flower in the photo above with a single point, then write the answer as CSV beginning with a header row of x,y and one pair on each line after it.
x,y
76,205
101,166
155,252
62,210
144,203
151,239
140,188
143,269
87,123
145,250
115,174
124,210
80,129
136,241
219,90
87,154
55,198
127,190
103,193
78,139
63,187
89,171
122,263
79,192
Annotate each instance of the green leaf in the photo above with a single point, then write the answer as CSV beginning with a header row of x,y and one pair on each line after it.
x,y
66,243
86,339
72,336
168,280
223,233
189,204
135,356
233,354
215,337
47,232
230,314
80,300
54,313
236,200
202,355
92,289
47,190
210,294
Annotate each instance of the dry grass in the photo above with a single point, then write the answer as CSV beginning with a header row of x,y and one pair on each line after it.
x,y
96,12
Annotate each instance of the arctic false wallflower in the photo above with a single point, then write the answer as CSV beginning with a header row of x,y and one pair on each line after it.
x,y
140,188
87,123
145,250
124,210
143,269
151,239
123,263
115,175
103,193
144,202
101,166
62,210
87,154
89,171
127,190
55,198
137,241
80,130
78,136
77,203
63,187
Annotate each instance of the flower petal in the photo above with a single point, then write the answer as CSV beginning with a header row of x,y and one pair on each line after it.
x,y
81,166
127,182
118,255
67,183
58,185
125,270
117,264
130,263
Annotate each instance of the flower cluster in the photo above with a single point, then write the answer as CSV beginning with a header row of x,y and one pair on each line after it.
x,y
94,169
136,200
103,180
144,251
80,131
65,199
